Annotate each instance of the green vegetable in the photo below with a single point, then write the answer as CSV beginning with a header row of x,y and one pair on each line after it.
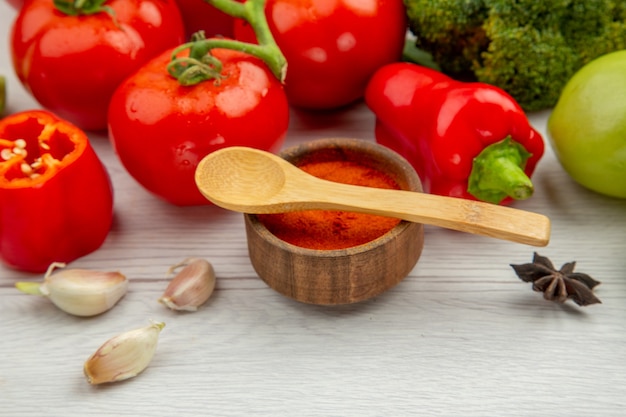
x,y
411,53
529,48
587,128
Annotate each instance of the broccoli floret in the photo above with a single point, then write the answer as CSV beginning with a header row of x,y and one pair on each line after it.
x,y
529,48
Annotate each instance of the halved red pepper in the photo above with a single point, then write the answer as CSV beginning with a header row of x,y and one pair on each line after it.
x,y
56,197
468,140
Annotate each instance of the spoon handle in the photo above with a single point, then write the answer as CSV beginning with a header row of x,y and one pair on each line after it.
x,y
452,213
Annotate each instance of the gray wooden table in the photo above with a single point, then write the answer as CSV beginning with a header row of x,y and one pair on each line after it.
x,y
460,336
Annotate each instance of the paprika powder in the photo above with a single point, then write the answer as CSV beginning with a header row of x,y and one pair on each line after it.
x,y
56,197
467,140
327,229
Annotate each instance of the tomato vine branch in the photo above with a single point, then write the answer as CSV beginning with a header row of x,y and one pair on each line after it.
x,y
201,65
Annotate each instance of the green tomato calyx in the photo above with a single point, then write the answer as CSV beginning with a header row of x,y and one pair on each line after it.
x,y
201,65
84,7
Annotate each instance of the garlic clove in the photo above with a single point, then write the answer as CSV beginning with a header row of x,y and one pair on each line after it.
x,y
123,356
79,292
191,287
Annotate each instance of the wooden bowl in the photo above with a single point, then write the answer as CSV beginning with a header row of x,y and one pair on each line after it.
x,y
341,276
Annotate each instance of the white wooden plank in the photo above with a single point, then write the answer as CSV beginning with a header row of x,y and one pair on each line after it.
x,y
461,335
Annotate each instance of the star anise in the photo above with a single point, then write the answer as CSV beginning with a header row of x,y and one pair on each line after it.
x,y
558,285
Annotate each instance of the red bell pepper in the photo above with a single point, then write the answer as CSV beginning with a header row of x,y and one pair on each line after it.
x,y
468,140
56,197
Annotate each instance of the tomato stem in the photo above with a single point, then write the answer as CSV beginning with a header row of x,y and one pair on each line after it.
x,y
201,65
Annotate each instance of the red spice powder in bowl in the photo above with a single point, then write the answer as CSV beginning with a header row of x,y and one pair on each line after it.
x,y
327,230
335,257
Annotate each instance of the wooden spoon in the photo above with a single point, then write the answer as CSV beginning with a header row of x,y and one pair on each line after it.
x,y
252,181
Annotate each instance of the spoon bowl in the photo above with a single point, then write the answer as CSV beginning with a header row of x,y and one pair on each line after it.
x,y
242,179
248,180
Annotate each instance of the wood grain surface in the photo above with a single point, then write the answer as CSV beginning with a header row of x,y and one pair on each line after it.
x,y
460,336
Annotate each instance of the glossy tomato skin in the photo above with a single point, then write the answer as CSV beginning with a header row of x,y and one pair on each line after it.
x,y
333,47
161,130
72,64
200,15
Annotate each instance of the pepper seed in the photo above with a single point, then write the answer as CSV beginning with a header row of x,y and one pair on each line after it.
x,y
26,169
20,151
20,143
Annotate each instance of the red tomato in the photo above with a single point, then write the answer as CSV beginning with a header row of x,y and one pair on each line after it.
x,y
72,64
333,47
200,15
161,129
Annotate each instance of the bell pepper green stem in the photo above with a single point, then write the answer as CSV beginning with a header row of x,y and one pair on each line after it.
x,y
498,172
202,66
